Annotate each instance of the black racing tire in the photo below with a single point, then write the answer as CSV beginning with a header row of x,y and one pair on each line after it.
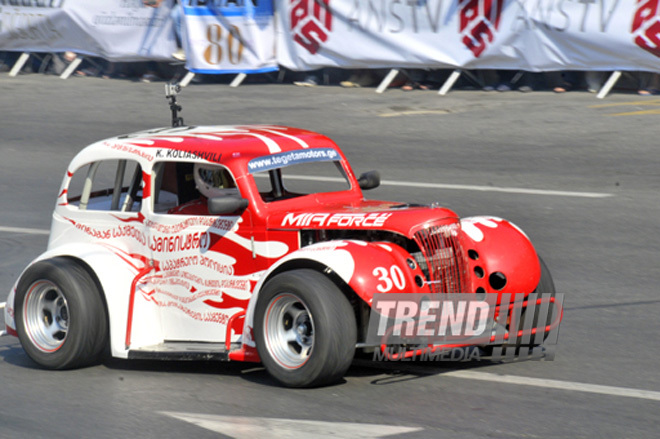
x,y
545,287
305,329
60,316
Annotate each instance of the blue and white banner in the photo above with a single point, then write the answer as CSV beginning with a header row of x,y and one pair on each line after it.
x,y
224,36
117,30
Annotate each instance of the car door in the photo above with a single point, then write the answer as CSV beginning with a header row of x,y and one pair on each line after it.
x,y
202,278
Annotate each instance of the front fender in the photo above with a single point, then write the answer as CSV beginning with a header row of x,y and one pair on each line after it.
x,y
501,258
366,267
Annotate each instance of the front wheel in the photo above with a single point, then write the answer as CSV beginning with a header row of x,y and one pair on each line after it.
x,y
305,329
545,288
60,317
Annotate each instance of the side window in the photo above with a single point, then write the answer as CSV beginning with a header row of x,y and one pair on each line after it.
x,y
107,185
182,188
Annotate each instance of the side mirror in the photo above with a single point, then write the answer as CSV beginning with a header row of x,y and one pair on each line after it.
x,y
369,180
227,205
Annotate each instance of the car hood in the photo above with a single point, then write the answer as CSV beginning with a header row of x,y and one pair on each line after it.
x,y
364,215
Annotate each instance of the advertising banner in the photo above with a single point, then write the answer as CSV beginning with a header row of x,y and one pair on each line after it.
x,y
240,36
117,30
534,35
222,36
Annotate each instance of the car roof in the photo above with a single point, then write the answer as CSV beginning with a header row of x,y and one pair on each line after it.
x,y
219,144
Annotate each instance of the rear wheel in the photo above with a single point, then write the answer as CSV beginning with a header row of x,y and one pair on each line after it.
x,y
305,329
60,318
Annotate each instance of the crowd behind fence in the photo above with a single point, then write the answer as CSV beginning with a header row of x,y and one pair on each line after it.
x,y
491,80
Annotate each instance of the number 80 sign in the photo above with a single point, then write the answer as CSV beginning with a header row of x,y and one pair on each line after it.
x,y
227,41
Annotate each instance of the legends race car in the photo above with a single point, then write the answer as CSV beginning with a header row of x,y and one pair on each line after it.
x,y
244,243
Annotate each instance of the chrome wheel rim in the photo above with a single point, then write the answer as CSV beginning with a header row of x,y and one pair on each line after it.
x,y
46,316
289,330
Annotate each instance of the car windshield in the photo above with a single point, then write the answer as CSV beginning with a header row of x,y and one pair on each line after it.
x,y
291,175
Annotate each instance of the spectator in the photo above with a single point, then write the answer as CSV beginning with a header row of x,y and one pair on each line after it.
x,y
594,80
311,79
561,82
362,78
649,84
179,55
417,80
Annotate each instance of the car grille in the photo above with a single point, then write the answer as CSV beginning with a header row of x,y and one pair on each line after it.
x,y
442,258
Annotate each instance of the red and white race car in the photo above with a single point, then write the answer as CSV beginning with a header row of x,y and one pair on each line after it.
x,y
245,243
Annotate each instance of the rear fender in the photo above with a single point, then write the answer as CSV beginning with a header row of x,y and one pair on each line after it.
x,y
501,258
115,270
10,324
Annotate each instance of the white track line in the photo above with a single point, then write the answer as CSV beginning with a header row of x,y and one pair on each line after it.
x,y
512,190
24,230
556,384
245,427
464,187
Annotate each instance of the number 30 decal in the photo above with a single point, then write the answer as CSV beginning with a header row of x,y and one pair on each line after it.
x,y
388,279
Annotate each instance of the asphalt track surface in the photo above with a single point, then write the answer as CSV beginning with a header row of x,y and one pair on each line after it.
x,y
461,150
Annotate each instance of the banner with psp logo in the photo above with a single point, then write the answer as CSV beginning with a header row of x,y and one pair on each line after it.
x,y
533,35
646,26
